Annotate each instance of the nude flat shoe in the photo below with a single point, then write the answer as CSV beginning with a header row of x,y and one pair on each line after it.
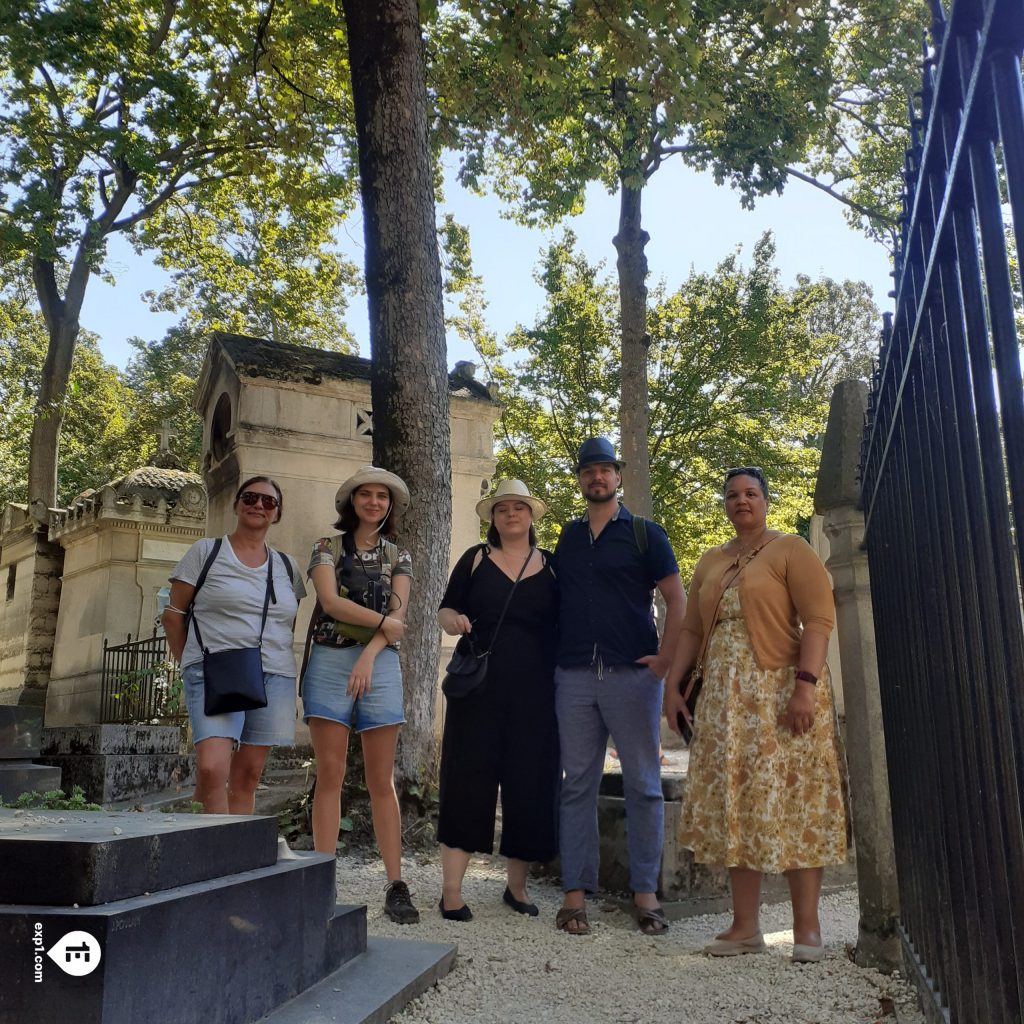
x,y
808,954
736,947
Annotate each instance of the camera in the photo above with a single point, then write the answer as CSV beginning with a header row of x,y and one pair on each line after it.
x,y
375,596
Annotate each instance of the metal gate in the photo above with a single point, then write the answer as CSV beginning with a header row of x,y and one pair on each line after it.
x,y
943,492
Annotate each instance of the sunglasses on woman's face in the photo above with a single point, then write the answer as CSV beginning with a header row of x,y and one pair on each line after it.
x,y
269,501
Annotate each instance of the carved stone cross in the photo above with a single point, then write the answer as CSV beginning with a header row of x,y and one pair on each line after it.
x,y
165,433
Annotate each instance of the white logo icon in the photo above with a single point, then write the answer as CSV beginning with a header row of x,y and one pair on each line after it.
x,y
77,953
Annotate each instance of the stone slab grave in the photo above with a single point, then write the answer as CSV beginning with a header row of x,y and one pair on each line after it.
x,y
118,762
20,736
681,879
111,918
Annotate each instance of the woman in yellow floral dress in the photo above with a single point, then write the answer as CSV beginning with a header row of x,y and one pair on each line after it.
x,y
765,782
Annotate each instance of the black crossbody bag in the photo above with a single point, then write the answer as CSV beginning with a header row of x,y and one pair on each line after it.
x,y
468,669
233,679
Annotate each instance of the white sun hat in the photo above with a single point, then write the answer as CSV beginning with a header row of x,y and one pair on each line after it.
x,y
507,489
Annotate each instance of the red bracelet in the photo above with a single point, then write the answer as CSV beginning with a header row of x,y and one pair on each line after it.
x,y
807,677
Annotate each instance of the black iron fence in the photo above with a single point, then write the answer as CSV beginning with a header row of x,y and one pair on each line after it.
x,y
943,492
140,682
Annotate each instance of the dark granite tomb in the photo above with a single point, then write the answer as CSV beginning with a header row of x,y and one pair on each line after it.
x,y
20,731
164,919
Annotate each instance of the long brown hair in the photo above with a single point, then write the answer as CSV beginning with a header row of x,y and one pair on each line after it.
x,y
348,521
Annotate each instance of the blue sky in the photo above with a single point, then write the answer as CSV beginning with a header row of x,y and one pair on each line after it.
x,y
693,223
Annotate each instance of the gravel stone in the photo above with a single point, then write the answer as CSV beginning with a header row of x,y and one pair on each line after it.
x,y
513,969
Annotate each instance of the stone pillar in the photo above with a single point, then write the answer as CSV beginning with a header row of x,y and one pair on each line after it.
x,y
837,498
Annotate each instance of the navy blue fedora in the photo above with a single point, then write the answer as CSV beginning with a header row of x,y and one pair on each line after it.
x,y
597,449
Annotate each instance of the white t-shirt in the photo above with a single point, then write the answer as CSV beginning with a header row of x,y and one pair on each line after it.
x,y
229,605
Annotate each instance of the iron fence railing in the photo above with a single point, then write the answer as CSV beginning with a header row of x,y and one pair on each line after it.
x,y
140,682
943,491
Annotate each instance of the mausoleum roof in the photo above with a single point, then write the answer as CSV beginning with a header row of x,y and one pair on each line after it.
x,y
154,482
272,360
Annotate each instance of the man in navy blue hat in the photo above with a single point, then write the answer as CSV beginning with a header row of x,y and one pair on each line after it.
x,y
609,681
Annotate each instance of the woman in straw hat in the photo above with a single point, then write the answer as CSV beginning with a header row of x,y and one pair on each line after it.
x,y
503,733
353,680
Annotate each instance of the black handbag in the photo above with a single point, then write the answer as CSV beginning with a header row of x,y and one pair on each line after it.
x,y
468,669
233,679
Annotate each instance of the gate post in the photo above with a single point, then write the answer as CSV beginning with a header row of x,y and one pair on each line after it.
x,y
836,498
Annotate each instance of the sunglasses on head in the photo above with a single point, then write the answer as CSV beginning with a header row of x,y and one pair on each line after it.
x,y
755,471
269,501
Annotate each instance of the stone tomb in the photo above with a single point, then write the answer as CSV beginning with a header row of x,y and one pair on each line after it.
x,y
681,879
108,918
20,729
113,763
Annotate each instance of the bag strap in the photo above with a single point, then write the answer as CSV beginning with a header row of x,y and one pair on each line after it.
x,y
718,604
190,611
501,618
202,579
640,534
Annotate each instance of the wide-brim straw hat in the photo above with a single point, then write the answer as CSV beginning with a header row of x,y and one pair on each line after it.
x,y
374,475
510,489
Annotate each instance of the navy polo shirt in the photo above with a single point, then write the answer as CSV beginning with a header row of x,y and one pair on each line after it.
x,y
606,590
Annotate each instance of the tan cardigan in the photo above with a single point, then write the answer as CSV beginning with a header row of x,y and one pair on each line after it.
x,y
784,585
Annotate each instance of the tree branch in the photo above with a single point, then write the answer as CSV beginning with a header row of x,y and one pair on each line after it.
x,y
170,8
166,193
54,95
830,191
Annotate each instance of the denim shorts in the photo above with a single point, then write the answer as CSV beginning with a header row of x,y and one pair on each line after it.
x,y
272,726
326,680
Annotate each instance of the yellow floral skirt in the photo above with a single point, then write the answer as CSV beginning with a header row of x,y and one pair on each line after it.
x,y
757,796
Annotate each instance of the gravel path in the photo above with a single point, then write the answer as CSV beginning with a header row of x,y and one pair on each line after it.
x,y
517,970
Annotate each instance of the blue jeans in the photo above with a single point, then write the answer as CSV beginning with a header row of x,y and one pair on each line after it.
x,y
626,703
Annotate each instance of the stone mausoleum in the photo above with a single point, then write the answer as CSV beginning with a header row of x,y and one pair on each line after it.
x,y
96,572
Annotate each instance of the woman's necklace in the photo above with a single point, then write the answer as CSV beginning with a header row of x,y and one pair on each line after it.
x,y
513,563
748,551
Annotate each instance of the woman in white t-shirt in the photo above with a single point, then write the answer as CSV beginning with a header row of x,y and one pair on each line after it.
x,y
232,748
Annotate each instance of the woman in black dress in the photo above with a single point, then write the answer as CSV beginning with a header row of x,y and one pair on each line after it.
x,y
503,734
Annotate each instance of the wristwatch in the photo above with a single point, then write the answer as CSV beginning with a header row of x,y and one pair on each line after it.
x,y
807,677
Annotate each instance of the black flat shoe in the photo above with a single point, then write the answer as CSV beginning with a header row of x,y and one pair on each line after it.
x,y
530,909
462,914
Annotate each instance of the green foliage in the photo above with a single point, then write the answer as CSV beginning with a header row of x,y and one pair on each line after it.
x,y
741,372
136,689
543,98
100,441
189,128
54,800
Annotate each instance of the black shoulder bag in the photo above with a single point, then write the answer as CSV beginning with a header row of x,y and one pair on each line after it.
x,y
468,669
233,679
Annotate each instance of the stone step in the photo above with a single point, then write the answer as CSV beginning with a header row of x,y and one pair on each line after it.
x,y
223,951
373,987
87,858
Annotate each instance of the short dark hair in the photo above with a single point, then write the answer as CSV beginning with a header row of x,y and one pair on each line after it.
x,y
494,538
754,471
348,521
262,480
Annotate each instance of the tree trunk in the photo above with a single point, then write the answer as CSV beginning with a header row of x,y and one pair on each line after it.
x,y
633,407
62,322
409,384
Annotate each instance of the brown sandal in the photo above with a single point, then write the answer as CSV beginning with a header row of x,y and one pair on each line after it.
x,y
567,915
652,921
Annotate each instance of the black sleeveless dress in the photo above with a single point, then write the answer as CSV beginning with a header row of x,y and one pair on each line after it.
x,y
503,735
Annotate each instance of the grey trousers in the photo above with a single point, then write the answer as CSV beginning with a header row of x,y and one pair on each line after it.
x,y
625,703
